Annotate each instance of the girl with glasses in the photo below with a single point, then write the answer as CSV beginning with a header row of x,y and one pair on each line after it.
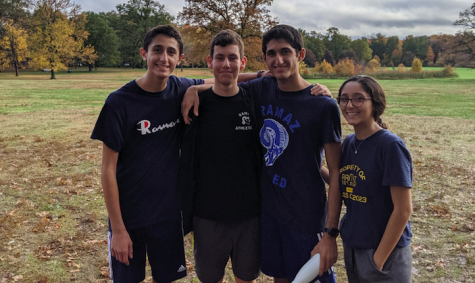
x,y
375,185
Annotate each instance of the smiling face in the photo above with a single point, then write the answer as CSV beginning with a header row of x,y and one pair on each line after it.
x,y
282,60
226,63
356,115
162,56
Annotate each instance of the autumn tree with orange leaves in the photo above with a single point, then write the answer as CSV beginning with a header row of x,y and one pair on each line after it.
x,y
202,19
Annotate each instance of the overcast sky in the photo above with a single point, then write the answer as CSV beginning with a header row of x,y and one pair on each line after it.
x,y
355,18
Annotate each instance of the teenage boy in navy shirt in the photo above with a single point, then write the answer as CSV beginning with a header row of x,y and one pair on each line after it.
x,y
139,126
295,129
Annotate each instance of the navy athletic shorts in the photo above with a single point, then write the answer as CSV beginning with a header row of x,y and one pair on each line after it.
x,y
285,251
162,242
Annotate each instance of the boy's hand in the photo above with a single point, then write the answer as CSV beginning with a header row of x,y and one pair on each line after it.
x,y
319,89
328,251
190,99
121,247
267,73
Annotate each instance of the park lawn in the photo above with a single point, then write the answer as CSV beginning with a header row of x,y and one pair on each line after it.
x,y
53,221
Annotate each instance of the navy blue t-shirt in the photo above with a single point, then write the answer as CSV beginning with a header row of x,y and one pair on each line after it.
x,y
296,126
365,179
143,128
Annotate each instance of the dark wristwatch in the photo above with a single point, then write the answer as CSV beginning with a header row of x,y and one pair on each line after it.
x,y
333,232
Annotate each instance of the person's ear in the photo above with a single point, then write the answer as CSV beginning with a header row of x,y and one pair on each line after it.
x,y
243,63
180,59
210,62
143,53
302,54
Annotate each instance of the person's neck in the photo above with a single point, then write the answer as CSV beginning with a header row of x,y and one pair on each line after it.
x,y
364,131
151,83
293,83
226,90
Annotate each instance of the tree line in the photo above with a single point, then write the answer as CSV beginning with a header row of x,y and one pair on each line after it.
x,y
56,35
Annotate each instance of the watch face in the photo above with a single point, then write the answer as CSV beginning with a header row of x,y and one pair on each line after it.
x,y
332,232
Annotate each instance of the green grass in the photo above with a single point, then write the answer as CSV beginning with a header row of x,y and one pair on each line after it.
x,y
53,221
451,97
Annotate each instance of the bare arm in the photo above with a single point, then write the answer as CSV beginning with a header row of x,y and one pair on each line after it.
x,y
244,77
191,99
325,174
401,197
327,247
121,245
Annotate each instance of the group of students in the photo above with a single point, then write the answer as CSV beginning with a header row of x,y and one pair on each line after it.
x,y
246,175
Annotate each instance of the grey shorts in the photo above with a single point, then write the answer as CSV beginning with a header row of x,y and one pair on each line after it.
x,y
361,268
215,243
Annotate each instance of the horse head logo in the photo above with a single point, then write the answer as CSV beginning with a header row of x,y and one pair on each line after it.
x,y
275,138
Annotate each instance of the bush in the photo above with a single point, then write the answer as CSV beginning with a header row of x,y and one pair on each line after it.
x,y
372,66
302,67
358,69
401,68
448,71
324,68
345,68
416,65
396,75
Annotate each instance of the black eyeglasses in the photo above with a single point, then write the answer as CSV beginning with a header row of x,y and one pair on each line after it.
x,y
357,101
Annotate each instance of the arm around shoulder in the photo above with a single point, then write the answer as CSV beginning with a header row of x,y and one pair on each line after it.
x,y
191,99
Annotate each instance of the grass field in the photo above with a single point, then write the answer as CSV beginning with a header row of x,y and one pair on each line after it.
x,y
53,220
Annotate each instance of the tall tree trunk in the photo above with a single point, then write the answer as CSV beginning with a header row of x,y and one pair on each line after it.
x,y
52,75
90,67
16,68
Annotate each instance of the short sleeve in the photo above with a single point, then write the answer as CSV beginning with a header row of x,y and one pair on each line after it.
x,y
251,86
108,128
331,122
397,165
189,82
185,83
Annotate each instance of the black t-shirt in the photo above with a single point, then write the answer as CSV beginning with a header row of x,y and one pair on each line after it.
x,y
143,128
227,170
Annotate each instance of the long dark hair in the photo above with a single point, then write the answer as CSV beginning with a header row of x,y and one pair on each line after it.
x,y
374,89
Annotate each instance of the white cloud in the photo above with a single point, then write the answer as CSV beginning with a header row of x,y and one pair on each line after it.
x,y
355,18
365,17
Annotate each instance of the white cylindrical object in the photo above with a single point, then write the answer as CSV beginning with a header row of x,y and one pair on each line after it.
x,y
309,271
